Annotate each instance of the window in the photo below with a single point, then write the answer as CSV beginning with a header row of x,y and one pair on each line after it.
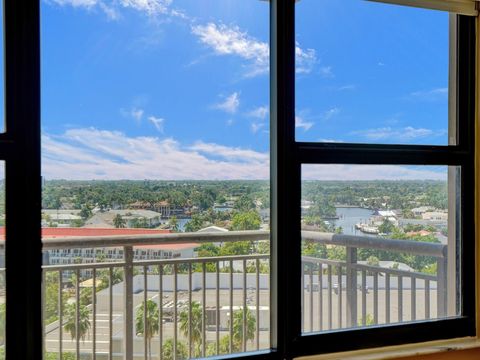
x,y
159,132
291,160
324,302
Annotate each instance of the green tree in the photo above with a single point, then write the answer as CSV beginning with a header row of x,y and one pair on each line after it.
x,y
86,212
195,223
315,249
78,223
238,331
373,261
237,338
246,221
181,350
335,252
51,291
152,325
408,214
244,203
65,356
119,222
173,222
104,276
86,296
196,326
140,223
386,227
208,250
223,347
70,319
236,248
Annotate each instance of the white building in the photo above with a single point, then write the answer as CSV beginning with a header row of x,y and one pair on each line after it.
x,y
60,218
435,215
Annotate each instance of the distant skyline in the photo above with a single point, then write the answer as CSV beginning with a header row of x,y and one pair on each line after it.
x,y
179,89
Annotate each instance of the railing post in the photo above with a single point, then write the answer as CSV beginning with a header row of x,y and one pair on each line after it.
x,y
351,287
442,295
128,305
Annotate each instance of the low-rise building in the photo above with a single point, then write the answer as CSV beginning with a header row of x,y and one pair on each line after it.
x,y
132,218
421,210
63,217
435,215
163,207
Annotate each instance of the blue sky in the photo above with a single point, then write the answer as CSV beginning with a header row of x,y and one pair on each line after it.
x,y
179,89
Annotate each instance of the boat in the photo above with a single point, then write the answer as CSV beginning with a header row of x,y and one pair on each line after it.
x,y
369,229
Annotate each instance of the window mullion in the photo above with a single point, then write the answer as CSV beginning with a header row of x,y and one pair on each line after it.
x,y
285,180
320,153
23,257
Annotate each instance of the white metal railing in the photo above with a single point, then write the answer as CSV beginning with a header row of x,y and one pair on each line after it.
x,y
220,304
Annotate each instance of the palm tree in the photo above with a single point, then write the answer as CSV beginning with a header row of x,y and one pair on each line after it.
x,y
152,324
71,321
181,350
118,221
173,222
196,326
238,334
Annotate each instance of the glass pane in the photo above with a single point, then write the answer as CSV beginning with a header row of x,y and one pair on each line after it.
x,y
373,244
371,73
155,121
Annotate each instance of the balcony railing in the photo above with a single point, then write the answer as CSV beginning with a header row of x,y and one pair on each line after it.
x,y
343,294
202,306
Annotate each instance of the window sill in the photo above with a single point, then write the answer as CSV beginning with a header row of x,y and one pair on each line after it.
x,y
396,352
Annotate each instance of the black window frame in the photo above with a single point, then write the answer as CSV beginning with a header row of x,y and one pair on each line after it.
x,y
287,157
20,149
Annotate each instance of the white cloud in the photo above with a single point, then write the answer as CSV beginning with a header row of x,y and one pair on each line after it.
x,y
111,7
157,122
255,127
225,40
304,59
371,172
90,153
76,3
347,87
111,12
330,140
327,115
230,153
398,134
301,123
430,95
137,114
326,72
259,113
134,113
151,7
230,104
231,40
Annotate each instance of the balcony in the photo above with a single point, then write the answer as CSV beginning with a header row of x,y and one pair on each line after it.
x,y
204,306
